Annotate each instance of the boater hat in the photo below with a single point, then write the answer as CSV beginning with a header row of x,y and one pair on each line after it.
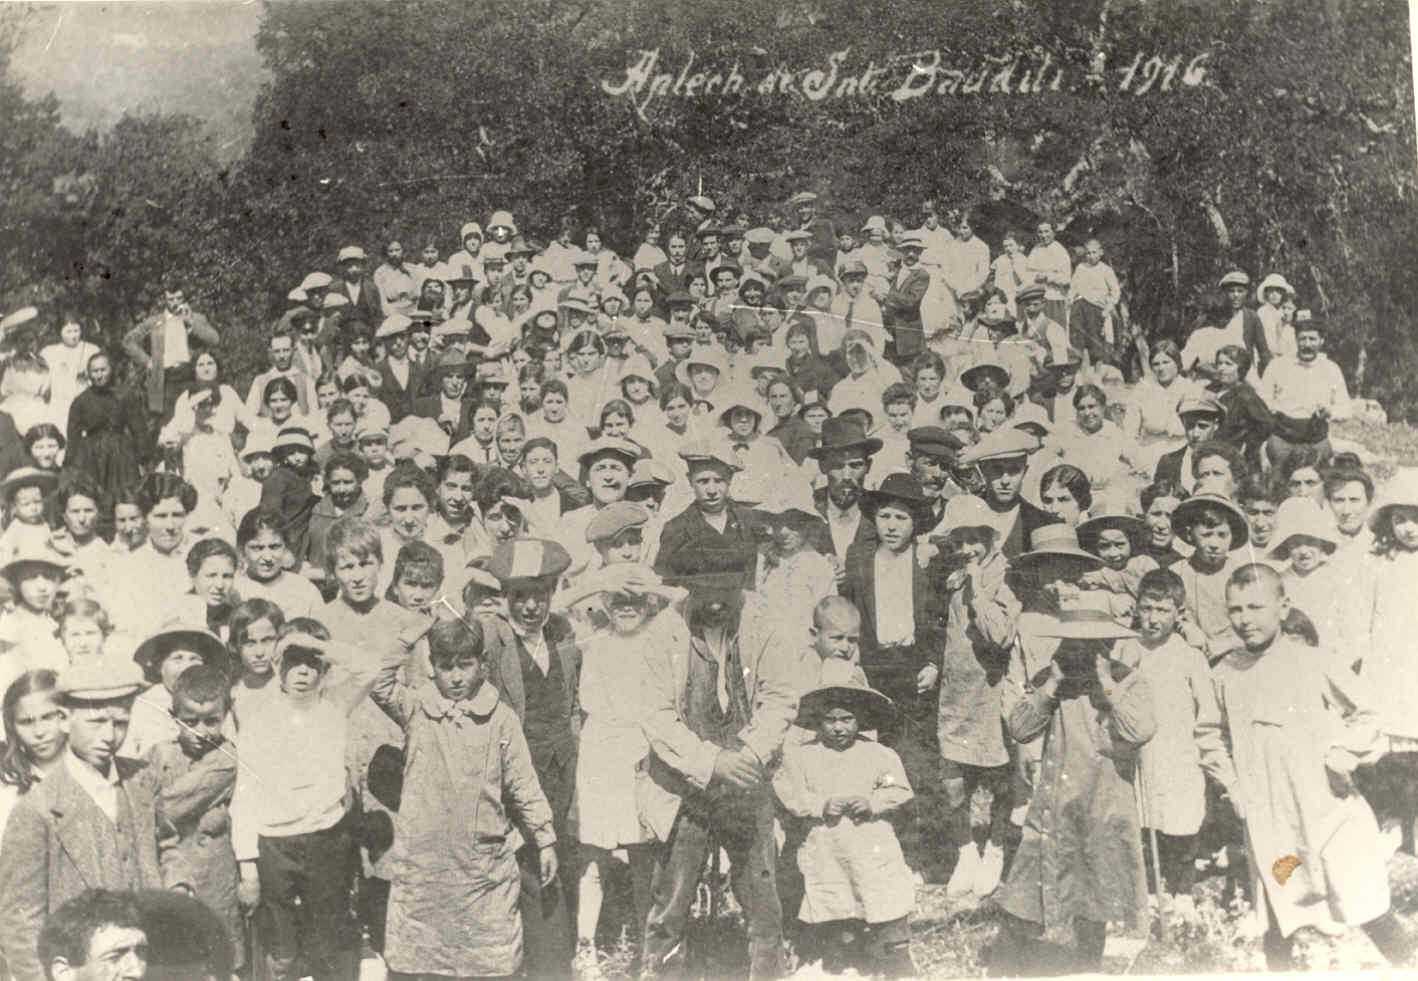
x,y
179,637
1052,542
524,559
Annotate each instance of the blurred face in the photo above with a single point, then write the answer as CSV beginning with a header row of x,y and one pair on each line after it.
x,y
677,412
96,732
529,602
460,678
898,416
837,729
697,288
992,416
282,352
1256,613
342,427
1060,502
586,359
395,253
1090,414
343,487
1159,520
174,300
37,588
502,522
742,423
1093,253
1308,344
39,723
711,489
624,547
1260,517
615,424
643,303
82,637
637,391
214,579
1306,555
1033,308
430,255
845,472
415,592
539,466
258,648
300,677
553,407
455,495
265,555
129,524
1236,294
260,465
174,664
165,523
1306,482
398,346
1002,480
408,513
607,478
931,471
678,248
70,334
1350,504
780,400
115,954
838,635
1156,618
627,613
325,394
356,574
279,405
1114,548
1226,370
815,417
375,451
100,371
484,424
703,378
1046,233
454,384
1199,427
80,517
894,526
798,345
29,505
928,383
1164,369
1212,544
204,368
1215,472
200,728
1404,521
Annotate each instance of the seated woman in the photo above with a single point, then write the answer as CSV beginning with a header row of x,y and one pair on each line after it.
x,y
1248,423
1092,442
1151,416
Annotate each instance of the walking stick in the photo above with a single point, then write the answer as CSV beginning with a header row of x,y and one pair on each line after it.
x,y
1152,841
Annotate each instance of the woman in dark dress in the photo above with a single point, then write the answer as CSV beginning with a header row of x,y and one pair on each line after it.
x,y
106,432
1248,423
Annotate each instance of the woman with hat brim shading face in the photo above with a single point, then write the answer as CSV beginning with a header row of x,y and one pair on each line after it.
x,y
847,790
1271,295
894,583
1085,869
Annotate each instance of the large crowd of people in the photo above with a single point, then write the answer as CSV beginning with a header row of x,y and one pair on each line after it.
x,y
531,588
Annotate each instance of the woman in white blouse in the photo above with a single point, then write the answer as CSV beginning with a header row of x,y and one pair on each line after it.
x,y
1151,417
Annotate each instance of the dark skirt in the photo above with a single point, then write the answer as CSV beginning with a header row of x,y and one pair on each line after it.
x,y
107,458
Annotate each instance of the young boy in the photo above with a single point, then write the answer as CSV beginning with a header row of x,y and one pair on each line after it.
x,y
979,636
374,447
1187,745
1259,499
1159,499
1298,725
1079,863
1215,528
195,776
453,905
294,827
858,890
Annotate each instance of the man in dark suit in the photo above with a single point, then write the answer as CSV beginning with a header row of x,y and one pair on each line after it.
x,y
844,456
399,377
713,538
450,408
357,286
674,274
1202,416
91,823
901,307
823,244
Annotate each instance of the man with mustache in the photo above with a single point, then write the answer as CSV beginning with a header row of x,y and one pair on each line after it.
x,y
932,454
844,458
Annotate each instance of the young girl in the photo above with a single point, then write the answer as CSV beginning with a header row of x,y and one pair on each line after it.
x,y
453,903
287,492
25,491
27,628
84,629
417,579
1298,725
1302,551
265,553
1216,529
858,892
105,432
45,444
1116,538
614,745
35,737
210,598
251,640
68,362
208,461
130,525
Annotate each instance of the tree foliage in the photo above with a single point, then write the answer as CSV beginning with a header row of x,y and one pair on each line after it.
x,y
1290,147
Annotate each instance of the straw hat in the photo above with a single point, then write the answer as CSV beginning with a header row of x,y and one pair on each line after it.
x,y
1240,529
1299,518
1073,625
872,709
1400,491
1053,542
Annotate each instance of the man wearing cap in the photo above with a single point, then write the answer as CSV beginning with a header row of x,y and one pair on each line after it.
x,y
1037,326
1201,417
453,412
1243,327
901,307
1051,267
607,464
802,263
399,378
823,244
356,286
1001,459
932,455
536,665
853,308
714,534
164,345
89,824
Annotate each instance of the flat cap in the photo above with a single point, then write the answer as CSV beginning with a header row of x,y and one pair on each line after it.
x,y
615,518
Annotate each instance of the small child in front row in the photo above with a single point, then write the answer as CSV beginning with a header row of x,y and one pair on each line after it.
x,y
1299,723
454,877
1187,744
195,775
858,891
1116,538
